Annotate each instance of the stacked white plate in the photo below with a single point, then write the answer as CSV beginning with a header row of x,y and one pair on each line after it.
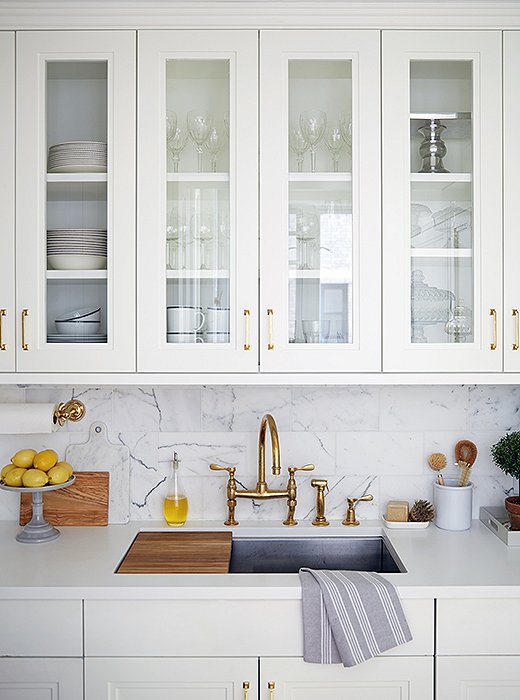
x,y
77,249
77,157
71,338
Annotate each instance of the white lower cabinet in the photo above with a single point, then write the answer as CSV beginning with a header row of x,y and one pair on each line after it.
x,y
404,678
171,679
41,679
478,678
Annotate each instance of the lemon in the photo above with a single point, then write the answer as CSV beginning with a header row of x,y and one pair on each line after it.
x,y
6,470
34,478
14,477
58,475
23,458
45,460
66,465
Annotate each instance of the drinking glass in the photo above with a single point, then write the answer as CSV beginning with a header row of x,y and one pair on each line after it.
x,y
316,331
171,125
202,229
199,126
214,144
312,125
335,142
176,145
307,227
297,144
345,125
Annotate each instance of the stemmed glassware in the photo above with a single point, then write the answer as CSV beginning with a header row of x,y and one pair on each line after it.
x,y
176,145
202,227
214,144
171,125
307,227
335,142
298,144
312,125
345,125
199,126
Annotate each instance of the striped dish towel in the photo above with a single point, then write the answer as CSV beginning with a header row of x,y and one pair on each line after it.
x,y
350,616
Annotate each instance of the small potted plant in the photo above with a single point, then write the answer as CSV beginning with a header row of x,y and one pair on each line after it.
x,y
506,455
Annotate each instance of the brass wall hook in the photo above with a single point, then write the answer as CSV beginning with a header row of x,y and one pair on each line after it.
x,y
74,410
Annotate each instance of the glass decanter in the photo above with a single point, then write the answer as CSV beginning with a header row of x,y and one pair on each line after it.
x,y
175,501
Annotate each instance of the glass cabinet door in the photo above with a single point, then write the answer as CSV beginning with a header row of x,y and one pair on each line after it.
x,y
442,209
7,206
75,192
197,222
319,190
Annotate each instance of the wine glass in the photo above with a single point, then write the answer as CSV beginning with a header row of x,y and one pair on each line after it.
x,y
199,125
171,125
335,142
297,144
307,226
345,125
202,227
312,125
176,145
214,144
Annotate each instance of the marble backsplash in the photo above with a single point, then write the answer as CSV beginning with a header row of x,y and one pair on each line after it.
x,y
363,439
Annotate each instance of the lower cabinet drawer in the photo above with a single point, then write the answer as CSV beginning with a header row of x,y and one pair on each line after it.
x,y
41,628
478,626
41,679
478,678
219,628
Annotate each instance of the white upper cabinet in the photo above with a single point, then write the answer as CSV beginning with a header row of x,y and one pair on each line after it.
x,y
442,201
511,202
320,201
75,245
7,308
197,184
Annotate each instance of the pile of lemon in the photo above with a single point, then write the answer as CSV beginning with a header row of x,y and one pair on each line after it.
x,y
35,469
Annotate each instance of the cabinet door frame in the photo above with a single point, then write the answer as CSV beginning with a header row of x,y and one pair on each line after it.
x,y
7,203
117,48
49,678
484,48
104,676
362,48
456,676
154,353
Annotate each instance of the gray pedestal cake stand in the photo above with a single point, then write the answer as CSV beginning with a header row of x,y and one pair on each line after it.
x,y
38,529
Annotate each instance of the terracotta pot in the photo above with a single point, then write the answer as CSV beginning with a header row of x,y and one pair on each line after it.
x,y
512,504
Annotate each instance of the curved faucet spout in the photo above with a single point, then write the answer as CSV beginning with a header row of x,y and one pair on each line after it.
x,y
268,420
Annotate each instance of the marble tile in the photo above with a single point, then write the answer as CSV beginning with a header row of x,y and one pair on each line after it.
x,y
156,409
491,491
226,408
198,450
9,444
97,400
300,448
379,453
417,408
335,408
445,442
12,393
494,408
404,488
342,487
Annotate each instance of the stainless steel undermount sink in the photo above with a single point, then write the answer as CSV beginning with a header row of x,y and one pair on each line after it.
x,y
261,555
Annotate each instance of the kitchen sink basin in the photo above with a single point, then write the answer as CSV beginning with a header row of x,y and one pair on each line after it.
x,y
262,555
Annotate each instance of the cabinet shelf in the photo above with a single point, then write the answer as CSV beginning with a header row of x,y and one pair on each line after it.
x,y
440,177
342,275
197,274
198,177
441,253
76,274
76,177
440,115
320,177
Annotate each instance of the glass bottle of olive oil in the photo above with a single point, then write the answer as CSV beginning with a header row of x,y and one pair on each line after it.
x,y
175,501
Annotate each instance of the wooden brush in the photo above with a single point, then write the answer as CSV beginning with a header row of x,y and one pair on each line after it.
x,y
465,473
437,461
466,451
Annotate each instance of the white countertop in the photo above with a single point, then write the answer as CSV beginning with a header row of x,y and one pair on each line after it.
x,y
82,561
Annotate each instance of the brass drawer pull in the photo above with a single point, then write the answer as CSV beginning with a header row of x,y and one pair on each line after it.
x,y
271,688
493,344
3,312
25,313
247,316
516,316
270,344
245,686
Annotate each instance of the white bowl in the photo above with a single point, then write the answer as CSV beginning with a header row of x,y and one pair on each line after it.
x,y
77,328
89,313
76,262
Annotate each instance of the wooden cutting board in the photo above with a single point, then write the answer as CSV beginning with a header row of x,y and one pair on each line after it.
x,y
83,503
178,553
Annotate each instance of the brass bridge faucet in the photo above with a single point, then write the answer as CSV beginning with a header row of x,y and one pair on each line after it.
x,y
262,490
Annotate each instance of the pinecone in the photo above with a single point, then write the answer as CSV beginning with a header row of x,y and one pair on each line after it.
x,y
421,512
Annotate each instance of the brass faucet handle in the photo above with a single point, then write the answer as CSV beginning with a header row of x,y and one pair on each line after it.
x,y
217,468
305,468
319,483
350,518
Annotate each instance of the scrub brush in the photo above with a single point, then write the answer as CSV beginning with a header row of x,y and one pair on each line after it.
x,y
421,512
437,461
465,473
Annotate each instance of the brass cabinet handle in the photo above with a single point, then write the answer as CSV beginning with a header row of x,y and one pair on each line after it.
x,y
25,313
270,345
493,344
247,316
245,686
3,312
271,687
516,316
